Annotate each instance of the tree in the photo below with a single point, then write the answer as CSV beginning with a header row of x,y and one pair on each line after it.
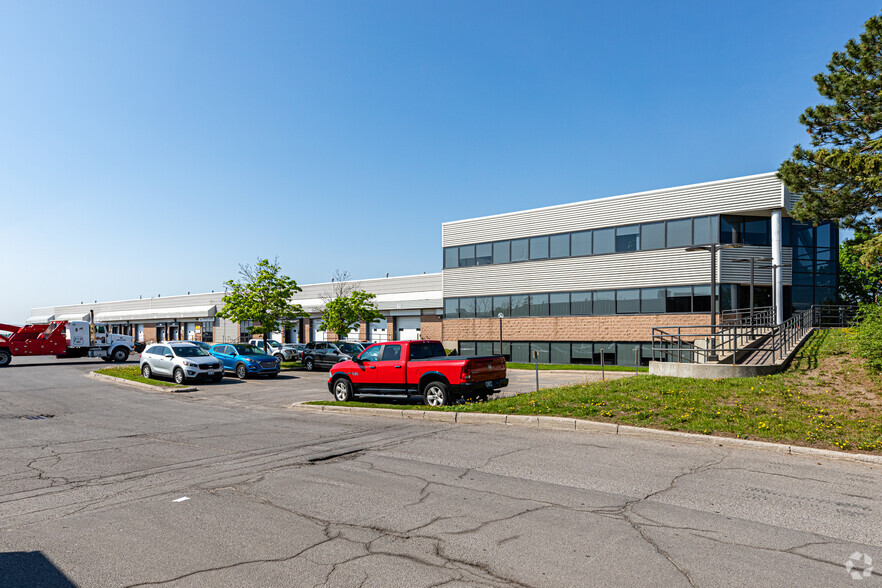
x,y
858,283
343,314
841,179
341,285
261,297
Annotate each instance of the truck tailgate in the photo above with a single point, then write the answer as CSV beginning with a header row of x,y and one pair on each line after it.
x,y
486,368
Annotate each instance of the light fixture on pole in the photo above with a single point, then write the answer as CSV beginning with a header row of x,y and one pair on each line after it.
x,y
501,316
713,248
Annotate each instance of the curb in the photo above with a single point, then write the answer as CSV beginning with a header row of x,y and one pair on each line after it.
x,y
585,426
141,385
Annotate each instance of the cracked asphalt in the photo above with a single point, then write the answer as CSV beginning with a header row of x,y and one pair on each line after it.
x,y
276,497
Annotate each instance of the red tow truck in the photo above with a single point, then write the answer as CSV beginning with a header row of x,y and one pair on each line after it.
x,y
64,339
417,368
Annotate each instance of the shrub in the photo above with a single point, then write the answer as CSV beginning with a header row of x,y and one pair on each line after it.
x,y
868,336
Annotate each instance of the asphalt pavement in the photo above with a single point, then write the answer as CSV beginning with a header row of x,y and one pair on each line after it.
x,y
107,485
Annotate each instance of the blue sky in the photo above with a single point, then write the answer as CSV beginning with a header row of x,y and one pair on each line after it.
x,y
150,147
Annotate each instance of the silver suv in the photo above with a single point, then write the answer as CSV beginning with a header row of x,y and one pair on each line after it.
x,y
181,361
275,349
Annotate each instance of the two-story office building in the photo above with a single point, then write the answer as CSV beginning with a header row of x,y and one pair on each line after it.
x,y
573,280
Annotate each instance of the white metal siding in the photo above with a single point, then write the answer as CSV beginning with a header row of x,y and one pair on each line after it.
x,y
739,195
731,272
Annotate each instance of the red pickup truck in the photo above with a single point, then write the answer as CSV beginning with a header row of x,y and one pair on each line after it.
x,y
417,367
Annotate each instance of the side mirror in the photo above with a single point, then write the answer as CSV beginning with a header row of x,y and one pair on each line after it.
x,y
169,355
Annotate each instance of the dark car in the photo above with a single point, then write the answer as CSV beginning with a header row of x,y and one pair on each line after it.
x,y
322,354
246,360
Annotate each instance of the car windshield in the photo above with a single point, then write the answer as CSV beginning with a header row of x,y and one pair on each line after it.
x,y
188,351
350,348
273,343
247,350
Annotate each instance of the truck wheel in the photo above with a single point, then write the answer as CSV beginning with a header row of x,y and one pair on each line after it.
x,y
241,371
436,394
179,376
309,364
343,390
280,357
146,371
120,354
5,358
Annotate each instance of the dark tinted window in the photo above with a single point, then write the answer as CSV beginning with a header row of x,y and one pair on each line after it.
x,y
540,352
467,256
520,305
730,229
519,249
187,351
451,257
757,231
560,353
826,235
484,254
559,303
538,247
580,243
581,303
679,233
391,352
604,241
627,238
701,299
704,230
679,299
560,245
350,348
501,252
652,236
425,350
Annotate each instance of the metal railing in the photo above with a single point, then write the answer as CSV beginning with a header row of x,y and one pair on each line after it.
x,y
761,316
741,337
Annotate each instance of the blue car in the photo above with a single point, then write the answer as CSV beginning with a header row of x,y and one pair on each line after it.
x,y
245,360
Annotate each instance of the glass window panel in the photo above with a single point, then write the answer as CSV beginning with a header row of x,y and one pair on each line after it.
x,y
559,303
605,352
466,308
451,308
519,249
803,234
825,280
485,347
580,303
652,300
628,354
701,299
825,254
484,307
802,279
501,253
627,301
679,233
704,230
826,235
627,238
605,302
580,243
823,266
604,241
730,229
520,352
467,348
505,352
560,353
727,296
801,264
803,296
538,247
652,236
757,231
467,256
520,305
543,350
560,245
825,295
538,304
484,254
582,353
502,304
451,257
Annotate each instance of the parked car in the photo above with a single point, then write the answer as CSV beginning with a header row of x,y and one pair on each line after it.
x,y
297,348
180,361
275,349
322,354
246,360
418,367
202,344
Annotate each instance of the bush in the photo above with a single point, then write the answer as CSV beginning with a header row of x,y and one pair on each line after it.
x,y
868,336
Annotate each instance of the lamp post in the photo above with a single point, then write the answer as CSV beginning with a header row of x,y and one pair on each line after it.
x,y
752,261
501,316
713,248
775,301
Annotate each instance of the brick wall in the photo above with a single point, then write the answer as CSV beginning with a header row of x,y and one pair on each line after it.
x,y
391,334
151,333
565,328
431,327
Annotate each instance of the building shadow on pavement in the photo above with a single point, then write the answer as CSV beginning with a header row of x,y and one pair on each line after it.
x,y
30,569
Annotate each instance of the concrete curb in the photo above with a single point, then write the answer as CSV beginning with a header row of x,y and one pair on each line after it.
x,y
141,385
570,424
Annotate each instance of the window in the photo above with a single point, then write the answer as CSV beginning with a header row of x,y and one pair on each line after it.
x,y
825,296
538,247
451,257
451,308
757,231
519,249
467,348
826,235
730,229
467,256
628,354
652,300
802,279
520,305
580,243
580,303
802,235
605,302
652,236
426,350
538,304
679,233
484,254
391,352
372,353
582,353
560,246
466,308
704,230
560,353
559,303
627,238
803,264
802,296
605,353
627,301
483,307
701,299
501,252
604,241
542,350
520,352
485,347
727,296
679,299
502,304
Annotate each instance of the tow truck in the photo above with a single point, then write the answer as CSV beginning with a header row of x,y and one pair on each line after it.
x,y
64,339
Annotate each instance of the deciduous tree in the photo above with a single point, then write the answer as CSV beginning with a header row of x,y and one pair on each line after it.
x,y
858,283
343,314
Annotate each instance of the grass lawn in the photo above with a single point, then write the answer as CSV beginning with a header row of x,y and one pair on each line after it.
x,y
290,365
133,373
572,366
826,399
